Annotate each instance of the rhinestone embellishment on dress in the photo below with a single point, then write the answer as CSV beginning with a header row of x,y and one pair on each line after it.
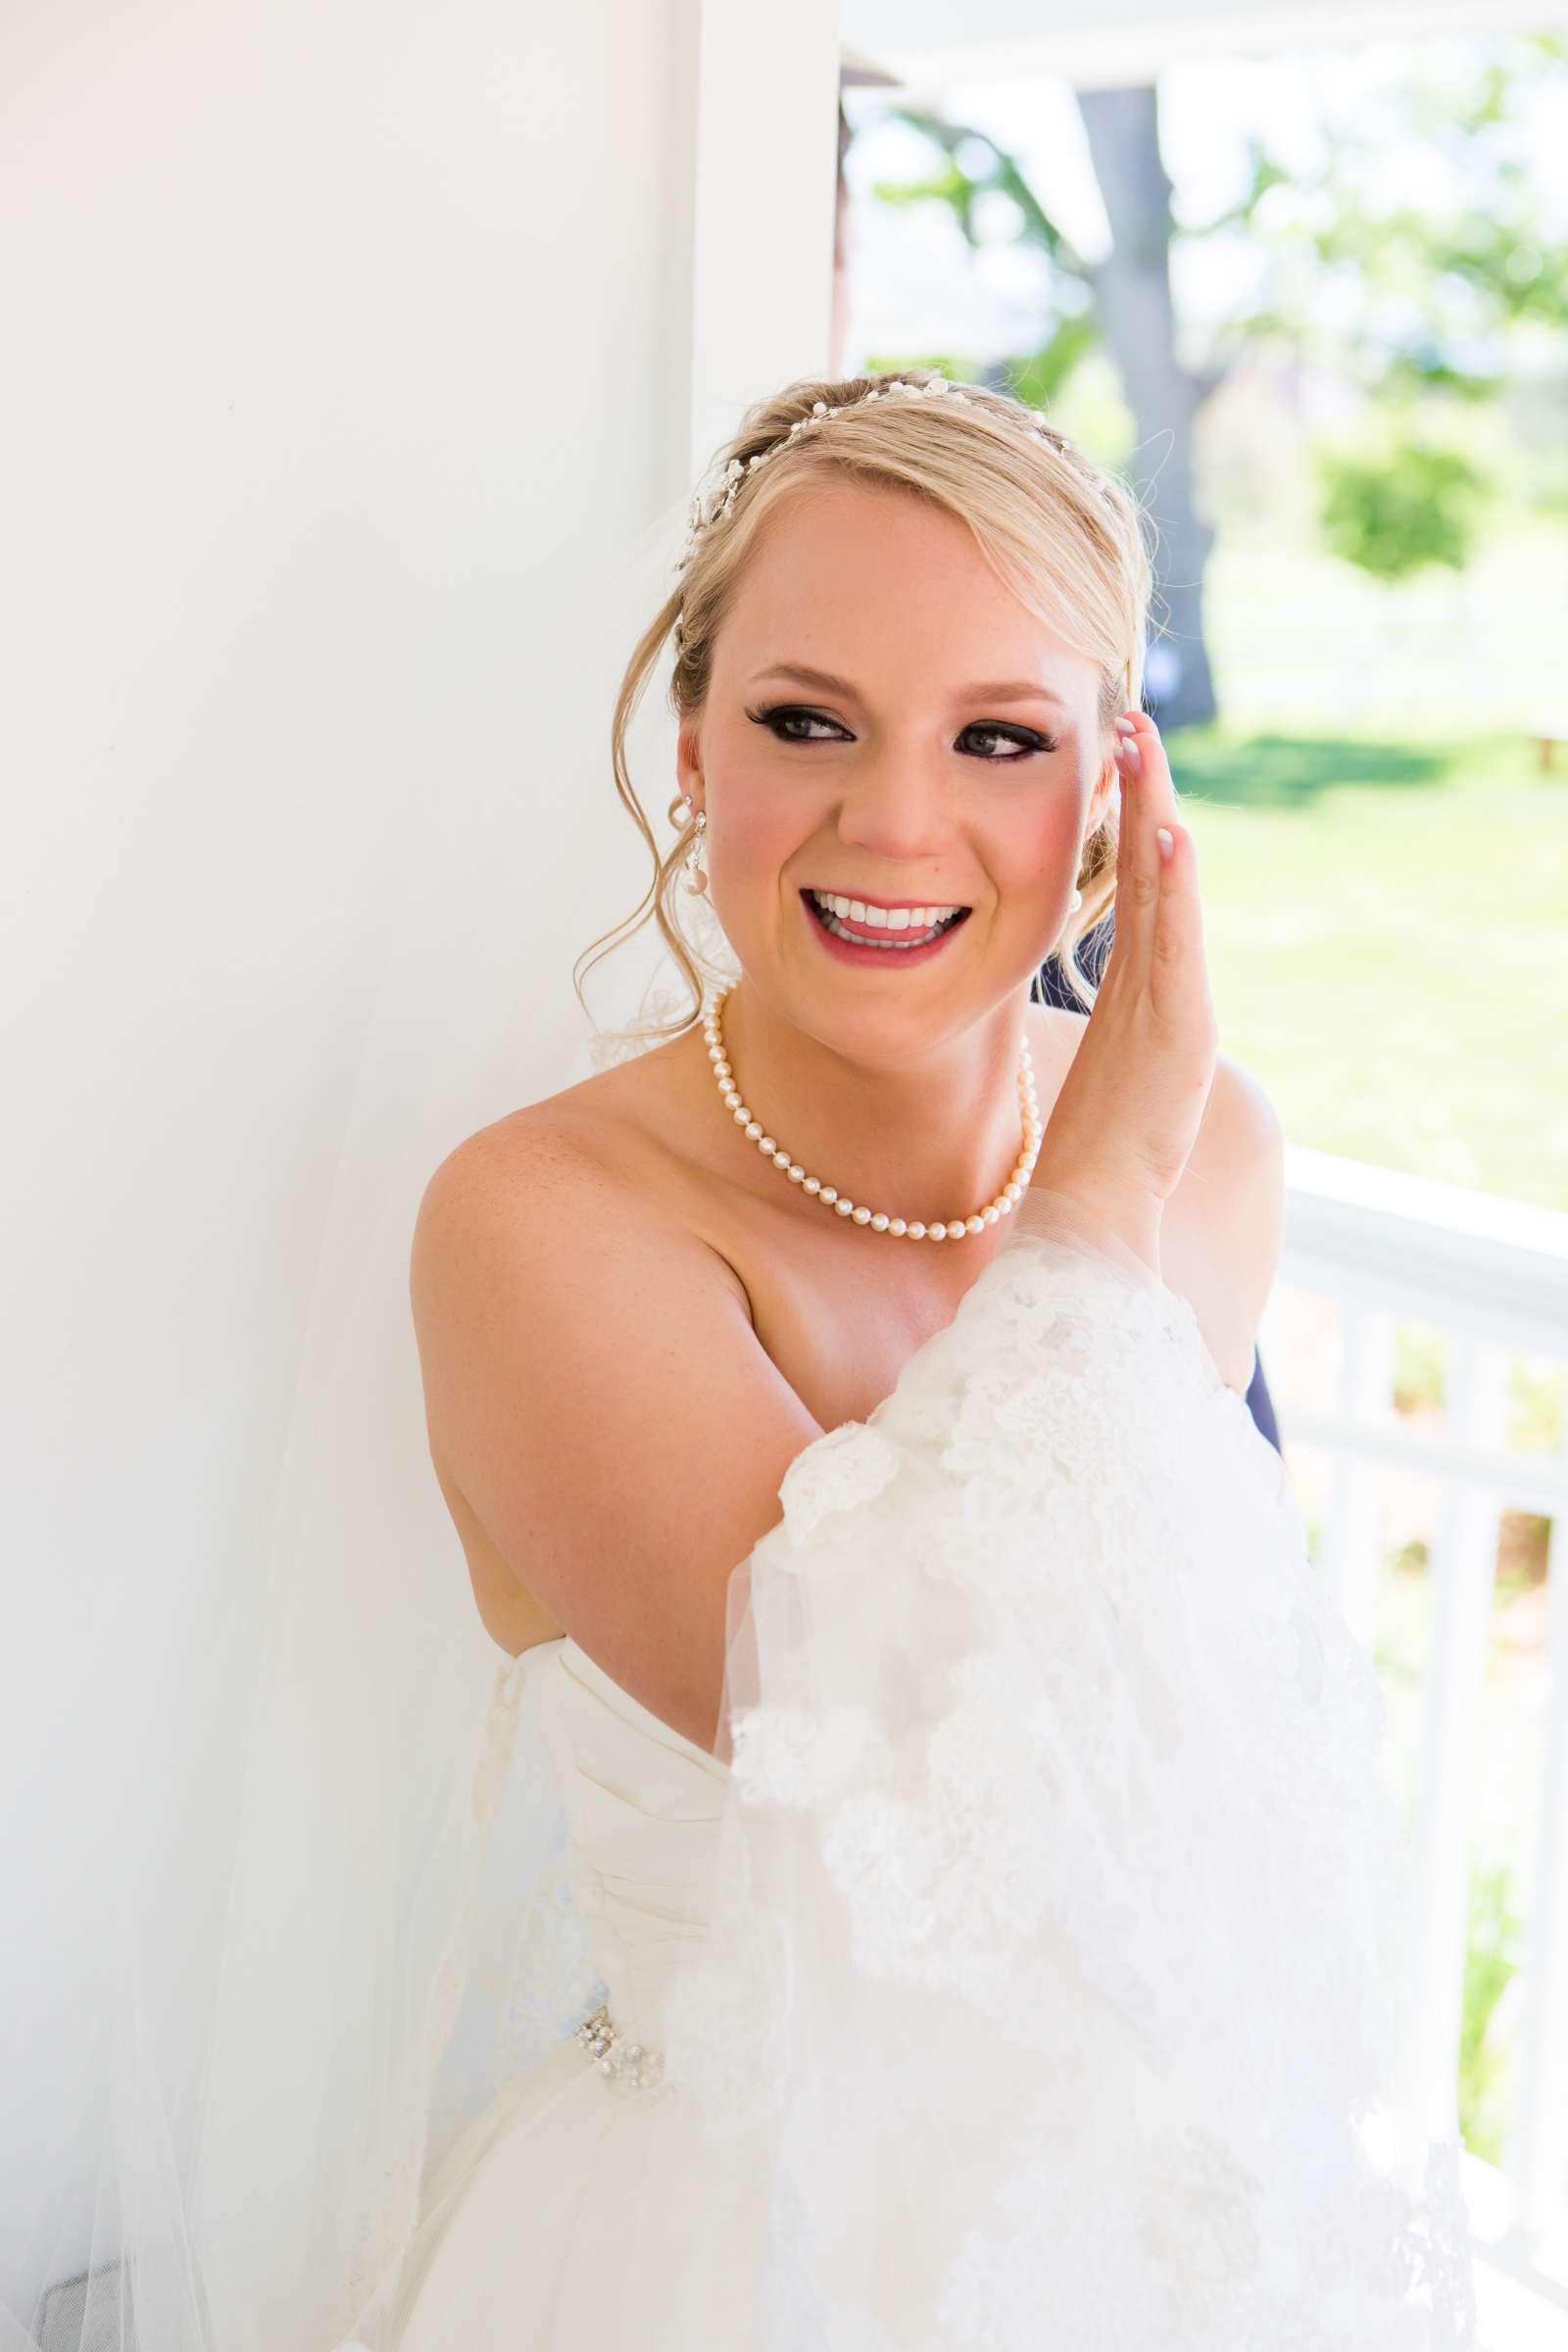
x,y
625,2065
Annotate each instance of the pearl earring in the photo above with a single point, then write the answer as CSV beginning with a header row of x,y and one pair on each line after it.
x,y
1077,898
696,877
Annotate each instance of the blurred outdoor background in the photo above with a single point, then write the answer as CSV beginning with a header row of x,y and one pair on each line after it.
x,y
1313,301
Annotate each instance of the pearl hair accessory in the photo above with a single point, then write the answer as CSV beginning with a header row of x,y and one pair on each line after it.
x,y
954,1229
704,512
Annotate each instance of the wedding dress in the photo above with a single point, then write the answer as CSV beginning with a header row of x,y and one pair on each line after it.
x,y
1021,1978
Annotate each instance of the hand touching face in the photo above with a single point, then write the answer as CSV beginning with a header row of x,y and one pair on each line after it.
x,y
1123,1126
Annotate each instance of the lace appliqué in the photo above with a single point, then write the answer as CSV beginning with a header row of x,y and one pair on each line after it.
x,y
1063,1778
844,1468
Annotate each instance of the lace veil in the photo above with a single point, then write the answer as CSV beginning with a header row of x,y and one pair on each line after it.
x,y
1048,1996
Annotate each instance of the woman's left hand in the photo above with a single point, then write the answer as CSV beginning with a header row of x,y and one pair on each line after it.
x,y
1123,1126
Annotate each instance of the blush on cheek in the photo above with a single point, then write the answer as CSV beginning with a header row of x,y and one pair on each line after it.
x,y
751,846
1054,849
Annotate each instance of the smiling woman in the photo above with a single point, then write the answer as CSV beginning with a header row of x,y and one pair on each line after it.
x,y
909,1853
918,486
900,824
973,1805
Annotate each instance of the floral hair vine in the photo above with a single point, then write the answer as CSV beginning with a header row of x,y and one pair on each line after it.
x,y
705,512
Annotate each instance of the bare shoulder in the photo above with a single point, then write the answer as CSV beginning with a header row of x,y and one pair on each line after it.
x,y
505,1188
1242,1116
1224,1223
1226,1219
1240,1140
1239,1166
549,1176
542,1216
541,1143
598,1397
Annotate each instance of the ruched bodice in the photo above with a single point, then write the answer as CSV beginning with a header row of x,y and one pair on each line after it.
x,y
520,2243
642,1805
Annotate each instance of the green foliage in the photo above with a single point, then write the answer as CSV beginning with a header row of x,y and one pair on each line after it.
x,y
948,363
1424,298
1420,1367
1538,1405
1493,1954
1394,514
1346,875
1440,286
972,165
1043,376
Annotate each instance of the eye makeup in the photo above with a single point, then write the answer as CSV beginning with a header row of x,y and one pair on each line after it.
x,y
1028,740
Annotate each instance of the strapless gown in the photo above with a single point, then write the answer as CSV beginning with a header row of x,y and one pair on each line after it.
x,y
1024,1979
520,2247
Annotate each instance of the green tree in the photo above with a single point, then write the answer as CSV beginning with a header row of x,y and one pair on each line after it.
x,y
1394,514
1420,304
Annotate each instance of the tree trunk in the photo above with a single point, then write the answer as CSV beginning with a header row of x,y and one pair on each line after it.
x,y
1132,288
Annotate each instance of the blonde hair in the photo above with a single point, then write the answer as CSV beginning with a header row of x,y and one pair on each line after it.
x,y
1061,532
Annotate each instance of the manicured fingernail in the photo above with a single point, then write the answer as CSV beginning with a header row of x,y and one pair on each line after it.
x,y
1162,836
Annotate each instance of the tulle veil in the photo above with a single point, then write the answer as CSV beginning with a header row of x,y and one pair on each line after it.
x,y
249,1929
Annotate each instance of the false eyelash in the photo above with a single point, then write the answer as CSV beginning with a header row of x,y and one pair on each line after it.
x,y
1028,739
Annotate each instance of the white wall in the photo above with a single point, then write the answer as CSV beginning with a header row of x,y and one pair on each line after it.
x,y
343,340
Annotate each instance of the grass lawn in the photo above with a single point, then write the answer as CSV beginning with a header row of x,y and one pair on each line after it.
x,y
1386,919
1385,922
1385,879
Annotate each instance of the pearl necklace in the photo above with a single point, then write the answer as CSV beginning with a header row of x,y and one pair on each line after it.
x,y
955,1230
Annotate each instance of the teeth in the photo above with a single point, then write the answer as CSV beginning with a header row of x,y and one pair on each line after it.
x,y
884,947
883,918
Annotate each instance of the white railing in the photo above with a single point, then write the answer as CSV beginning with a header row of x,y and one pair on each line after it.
x,y
1492,1274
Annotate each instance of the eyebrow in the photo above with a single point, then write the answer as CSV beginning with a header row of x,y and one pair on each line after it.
x,y
1005,690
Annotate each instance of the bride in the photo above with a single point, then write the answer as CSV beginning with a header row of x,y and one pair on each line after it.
x,y
986,1877
893,1850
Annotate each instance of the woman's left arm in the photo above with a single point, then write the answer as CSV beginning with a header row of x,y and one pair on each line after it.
x,y
1224,1224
